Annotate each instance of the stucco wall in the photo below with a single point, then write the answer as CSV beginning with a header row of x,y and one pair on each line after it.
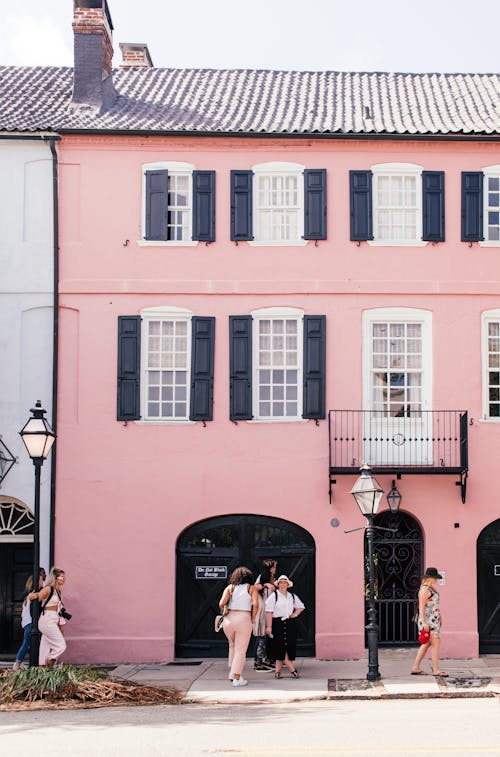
x,y
125,492
26,300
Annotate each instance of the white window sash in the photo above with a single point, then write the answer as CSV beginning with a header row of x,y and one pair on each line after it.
x,y
285,314
488,317
174,168
401,170
163,314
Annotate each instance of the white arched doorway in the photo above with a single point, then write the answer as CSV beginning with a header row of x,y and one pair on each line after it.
x,y
16,564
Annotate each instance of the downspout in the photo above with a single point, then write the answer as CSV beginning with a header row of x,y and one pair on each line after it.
x,y
55,344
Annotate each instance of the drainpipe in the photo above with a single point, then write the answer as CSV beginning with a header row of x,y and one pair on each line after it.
x,y
55,343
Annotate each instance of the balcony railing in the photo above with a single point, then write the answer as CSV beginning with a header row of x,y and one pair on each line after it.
x,y
424,441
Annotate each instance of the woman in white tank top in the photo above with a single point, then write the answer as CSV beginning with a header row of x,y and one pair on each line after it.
x,y
239,603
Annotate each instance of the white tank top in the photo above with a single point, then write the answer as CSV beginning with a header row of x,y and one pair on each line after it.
x,y
240,598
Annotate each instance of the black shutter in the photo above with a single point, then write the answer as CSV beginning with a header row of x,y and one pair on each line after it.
x,y
433,206
472,206
204,206
314,366
156,205
129,368
240,367
202,368
241,205
360,190
315,203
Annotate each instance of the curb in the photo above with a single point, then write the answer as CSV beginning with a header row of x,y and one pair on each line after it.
x,y
337,697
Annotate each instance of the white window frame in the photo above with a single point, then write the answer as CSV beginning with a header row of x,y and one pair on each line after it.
x,y
269,314
180,169
487,317
489,171
398,315
397,169
169,313
278,168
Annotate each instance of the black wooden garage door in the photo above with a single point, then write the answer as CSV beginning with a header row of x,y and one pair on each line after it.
x,y
488,589
214,548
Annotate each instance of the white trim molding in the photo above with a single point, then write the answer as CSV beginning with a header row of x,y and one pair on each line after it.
x,y
397,169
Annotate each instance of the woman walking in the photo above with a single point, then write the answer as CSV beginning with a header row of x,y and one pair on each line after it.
x,y
239,603
263,586
282,608
52,644
26,619
429,619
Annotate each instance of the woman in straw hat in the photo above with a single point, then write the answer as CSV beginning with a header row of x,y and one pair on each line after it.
x,y
282,608
429,619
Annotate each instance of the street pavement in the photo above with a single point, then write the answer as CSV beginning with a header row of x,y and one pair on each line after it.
x,y
206,681
385,728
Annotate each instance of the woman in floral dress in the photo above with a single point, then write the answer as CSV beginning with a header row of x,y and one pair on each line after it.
x,y
429,618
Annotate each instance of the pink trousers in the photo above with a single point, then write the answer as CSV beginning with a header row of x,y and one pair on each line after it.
x,y
237,626
52,644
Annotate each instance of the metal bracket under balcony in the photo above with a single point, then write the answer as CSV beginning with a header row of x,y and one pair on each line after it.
x,y
422,442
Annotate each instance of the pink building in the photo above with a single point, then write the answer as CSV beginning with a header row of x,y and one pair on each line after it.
x,y
267,278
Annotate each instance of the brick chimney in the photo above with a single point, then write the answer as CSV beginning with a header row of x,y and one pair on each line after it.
x,y
136,55
93,49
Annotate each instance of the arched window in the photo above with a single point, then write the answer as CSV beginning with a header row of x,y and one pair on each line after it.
x,y
16,520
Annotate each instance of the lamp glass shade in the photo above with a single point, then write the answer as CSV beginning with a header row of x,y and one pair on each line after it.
x,y
394,499
367,492
38,437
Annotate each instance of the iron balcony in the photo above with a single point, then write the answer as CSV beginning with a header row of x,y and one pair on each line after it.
x,y
418,442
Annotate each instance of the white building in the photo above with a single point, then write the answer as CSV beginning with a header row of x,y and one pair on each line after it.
x,y
28,165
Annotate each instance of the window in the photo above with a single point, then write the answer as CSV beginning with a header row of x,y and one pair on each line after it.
x,y
397,204
491,364
278,365
396,368
397,387
278,203
492,205
165,366
179,204
166,346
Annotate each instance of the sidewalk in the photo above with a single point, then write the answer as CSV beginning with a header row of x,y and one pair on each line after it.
x,y
206,681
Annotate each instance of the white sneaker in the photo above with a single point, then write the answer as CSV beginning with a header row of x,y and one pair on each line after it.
x,y
239,682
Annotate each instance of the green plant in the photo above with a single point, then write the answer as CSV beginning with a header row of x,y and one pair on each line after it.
x,y
38,683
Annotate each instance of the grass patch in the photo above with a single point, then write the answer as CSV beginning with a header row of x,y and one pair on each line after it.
x,y
71,685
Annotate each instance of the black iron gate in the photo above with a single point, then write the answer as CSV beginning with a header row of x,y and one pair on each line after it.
x,y
208,551
399,569
488,588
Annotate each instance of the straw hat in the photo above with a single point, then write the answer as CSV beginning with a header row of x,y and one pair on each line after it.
x,y
284,578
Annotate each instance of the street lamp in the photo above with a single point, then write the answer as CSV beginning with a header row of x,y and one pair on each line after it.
x,y
394,499
367,492
38,438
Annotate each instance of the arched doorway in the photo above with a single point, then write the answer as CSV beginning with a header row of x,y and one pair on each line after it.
x,y
16,564
488,588
208,552
399,568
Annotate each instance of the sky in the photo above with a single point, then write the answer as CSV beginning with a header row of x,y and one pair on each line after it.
x,y
344,35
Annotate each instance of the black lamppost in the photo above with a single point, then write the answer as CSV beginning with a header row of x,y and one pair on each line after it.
x,y
38,438
367,492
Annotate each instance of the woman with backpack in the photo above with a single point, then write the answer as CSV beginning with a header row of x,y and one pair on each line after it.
x,y
239,605
26,618
52,644
282,609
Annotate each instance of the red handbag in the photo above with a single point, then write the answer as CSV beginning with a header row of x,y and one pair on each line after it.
x,y
424,636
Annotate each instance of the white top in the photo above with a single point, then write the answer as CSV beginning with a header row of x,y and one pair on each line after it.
x,y
240,598
26,614
284,605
